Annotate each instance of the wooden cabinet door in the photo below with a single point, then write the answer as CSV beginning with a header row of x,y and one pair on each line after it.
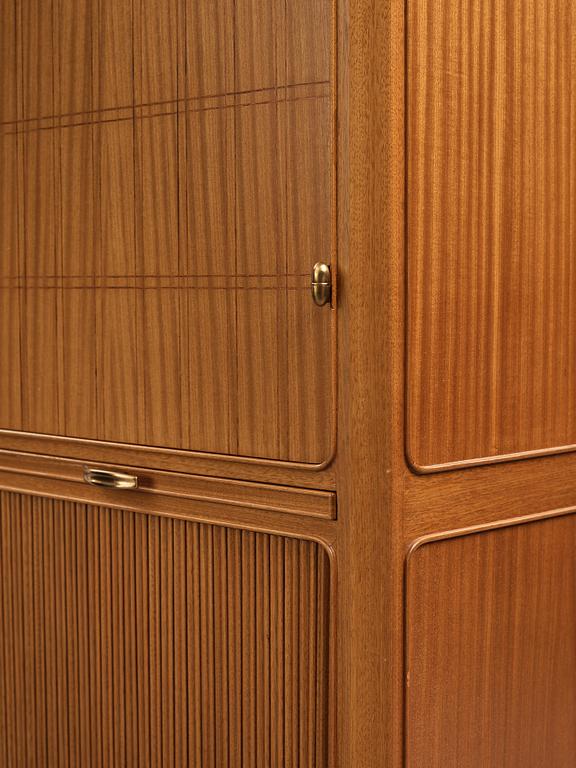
x,y
491,648
166,185
135,638
491,230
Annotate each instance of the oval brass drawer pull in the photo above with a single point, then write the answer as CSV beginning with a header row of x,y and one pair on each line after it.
x,y
321,284
105,479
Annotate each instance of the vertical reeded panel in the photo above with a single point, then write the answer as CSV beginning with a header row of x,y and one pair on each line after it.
x,y
129,639
491,228
166,185
491,649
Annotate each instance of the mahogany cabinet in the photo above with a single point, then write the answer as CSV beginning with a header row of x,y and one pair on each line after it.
x,y
246,521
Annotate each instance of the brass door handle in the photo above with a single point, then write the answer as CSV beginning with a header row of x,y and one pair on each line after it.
x,y
321,284
102,478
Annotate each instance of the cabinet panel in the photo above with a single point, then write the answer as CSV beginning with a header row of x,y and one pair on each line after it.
x,y
74,78
8,63
79,361
114,54
10,375
491,649
115,192
172,194
36,51
120,409
491,292
9,195
131,639
40,380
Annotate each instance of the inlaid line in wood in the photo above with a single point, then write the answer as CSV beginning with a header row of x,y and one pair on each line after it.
x,y
131,107
144,112
179,277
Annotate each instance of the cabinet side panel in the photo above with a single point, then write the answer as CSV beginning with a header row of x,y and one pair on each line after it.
x,y
491,366
491,649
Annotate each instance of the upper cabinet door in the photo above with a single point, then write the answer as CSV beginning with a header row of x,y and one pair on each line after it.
x,y
491,193
167,176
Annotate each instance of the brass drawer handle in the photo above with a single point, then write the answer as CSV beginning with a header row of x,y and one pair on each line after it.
x,y
104,479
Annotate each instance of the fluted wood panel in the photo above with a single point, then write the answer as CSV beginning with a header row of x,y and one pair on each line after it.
x,y
129,639
491,664
166,177
491,228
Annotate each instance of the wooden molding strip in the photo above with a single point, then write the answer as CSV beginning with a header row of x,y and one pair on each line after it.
x,y
220,465
484,460
231,493
484,527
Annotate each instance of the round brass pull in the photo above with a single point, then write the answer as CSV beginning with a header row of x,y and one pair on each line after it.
x,y
102,478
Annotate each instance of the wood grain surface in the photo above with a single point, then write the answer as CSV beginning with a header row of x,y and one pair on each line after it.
x,y
491,290
166,184
129,639
491,649
370,461
159,182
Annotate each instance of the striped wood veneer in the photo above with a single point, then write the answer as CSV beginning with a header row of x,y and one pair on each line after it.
x,y
166,184
491,228
491,648
128,639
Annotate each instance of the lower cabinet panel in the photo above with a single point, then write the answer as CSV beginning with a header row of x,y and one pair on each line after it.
x,y
129,639
491,650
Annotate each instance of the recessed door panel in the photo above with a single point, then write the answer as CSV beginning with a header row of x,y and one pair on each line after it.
x,y
166,189
491,230
491,649
133,639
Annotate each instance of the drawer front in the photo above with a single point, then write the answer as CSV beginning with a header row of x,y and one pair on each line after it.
x,y
162,492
